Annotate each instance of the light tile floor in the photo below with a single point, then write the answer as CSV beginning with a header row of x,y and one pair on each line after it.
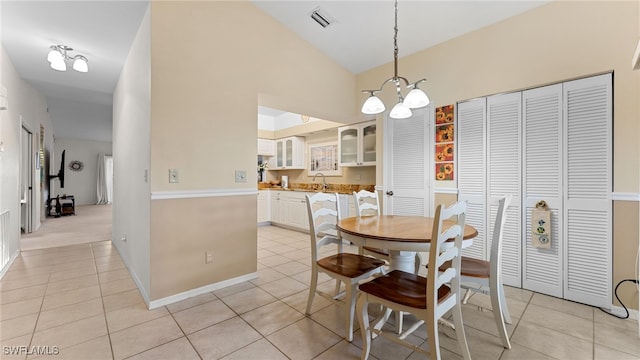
x,y
81,302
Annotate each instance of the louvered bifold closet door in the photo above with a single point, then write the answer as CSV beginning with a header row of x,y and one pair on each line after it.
x,y
471,170
542,180
588,247
409,158
503,178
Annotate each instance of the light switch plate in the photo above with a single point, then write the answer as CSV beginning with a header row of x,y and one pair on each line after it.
x,y
173,176
241,176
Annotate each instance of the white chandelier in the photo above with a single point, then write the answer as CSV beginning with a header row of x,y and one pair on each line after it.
x,y
58,58
416,98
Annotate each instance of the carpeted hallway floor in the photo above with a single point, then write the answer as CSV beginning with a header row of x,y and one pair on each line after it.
x,y
91,223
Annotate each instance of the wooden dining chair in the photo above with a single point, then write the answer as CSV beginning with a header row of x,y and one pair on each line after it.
x,y
367,203
486,276
347,268
428,299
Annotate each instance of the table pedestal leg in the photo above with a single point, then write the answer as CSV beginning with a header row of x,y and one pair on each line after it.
x,y
402,260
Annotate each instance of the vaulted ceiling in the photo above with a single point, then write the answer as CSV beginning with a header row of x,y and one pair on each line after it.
x,y
360,38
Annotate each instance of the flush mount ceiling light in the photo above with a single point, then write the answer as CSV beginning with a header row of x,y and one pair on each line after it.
x,y
416,98
58,59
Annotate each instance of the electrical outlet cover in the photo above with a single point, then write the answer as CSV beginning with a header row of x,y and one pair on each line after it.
x,y
241,176
173,176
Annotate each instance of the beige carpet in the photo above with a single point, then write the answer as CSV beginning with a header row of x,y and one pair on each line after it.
x,y
90,224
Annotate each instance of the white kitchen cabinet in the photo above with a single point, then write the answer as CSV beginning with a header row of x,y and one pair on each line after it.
x,y
357,144
266,147
289,154
296,210
264,206
289,208
275,205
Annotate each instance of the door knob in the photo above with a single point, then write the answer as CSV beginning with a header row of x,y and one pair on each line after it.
x,y
390,193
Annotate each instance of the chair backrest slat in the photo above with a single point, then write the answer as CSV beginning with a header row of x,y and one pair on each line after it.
x,y
323,210
439,253
367,203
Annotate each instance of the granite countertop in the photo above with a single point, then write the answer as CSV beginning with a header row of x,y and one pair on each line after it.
x,y
314,187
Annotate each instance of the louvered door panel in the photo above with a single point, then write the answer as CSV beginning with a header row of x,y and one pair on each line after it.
x,y
588,123
408,156
542,180
503,167
471,170
476,217
542,270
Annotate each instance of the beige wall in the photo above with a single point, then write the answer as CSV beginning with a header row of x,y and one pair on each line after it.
x,y
131,128
29,106
555,42
213,63
205,100
625,247
218,225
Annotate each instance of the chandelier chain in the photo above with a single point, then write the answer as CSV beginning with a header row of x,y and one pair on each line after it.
x,y
416,98
395,44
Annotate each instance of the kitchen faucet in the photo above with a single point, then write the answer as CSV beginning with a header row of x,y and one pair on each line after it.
x,y
325,186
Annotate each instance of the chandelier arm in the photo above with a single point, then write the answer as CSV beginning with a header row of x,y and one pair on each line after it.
x,y
415,84
417,96
78,57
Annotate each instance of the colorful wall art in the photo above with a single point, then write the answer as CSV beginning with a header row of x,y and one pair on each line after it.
x,y
445,145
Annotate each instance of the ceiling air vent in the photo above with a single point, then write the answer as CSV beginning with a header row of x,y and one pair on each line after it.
x,y
321,17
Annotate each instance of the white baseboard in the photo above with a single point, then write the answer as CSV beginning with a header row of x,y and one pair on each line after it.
x,y
201,290
4,270
619,310
134,276
183,295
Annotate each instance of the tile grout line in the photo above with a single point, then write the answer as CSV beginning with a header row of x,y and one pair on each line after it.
x,y
181,329
35,326
104,310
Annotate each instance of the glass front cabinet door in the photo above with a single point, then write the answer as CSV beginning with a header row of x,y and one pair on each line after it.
x,y
289,153
288,145
357,144
279,154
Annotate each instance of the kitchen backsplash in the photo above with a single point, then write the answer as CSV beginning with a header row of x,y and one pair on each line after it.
x,y
339,188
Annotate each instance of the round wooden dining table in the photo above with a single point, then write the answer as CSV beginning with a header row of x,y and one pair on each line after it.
x,y
403,236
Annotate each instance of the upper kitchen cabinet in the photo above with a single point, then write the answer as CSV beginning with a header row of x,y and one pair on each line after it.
x,y
266,147
357,144
289,154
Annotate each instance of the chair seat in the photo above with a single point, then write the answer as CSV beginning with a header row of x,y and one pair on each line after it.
x,y
381,252
471,267
403,288
349,265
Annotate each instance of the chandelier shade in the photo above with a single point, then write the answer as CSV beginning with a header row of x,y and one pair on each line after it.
x,y
400,111
80,64
373,105
58,59
416,98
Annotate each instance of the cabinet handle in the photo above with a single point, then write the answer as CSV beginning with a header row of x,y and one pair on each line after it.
x,y
390,193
